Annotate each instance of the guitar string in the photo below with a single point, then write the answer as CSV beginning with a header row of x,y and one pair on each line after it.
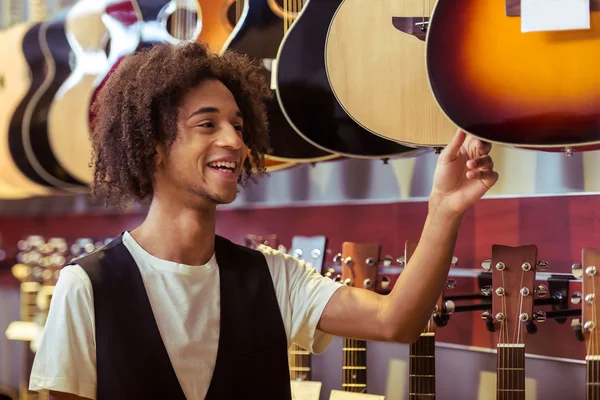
x,y
503,335
592,389
518,340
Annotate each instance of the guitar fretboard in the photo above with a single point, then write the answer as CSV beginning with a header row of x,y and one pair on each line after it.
x,y
593,378
354,377
511,372
299,361
422,368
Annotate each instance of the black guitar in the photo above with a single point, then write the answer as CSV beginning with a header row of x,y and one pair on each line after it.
x,y
306,98
260,27
54,66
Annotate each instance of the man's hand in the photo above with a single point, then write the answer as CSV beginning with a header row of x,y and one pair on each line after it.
x,y
464,173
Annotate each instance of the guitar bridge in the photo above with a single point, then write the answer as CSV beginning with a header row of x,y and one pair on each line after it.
x,y
416,26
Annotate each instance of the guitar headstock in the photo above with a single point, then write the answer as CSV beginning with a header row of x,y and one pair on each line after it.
x,y
311,249
513,279
360,263
590,284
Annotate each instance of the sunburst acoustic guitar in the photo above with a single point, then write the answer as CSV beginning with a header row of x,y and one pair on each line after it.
x,y
304,93
376,70
260,26
529,89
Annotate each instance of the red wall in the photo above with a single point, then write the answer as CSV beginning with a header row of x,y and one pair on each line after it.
x,y
559,226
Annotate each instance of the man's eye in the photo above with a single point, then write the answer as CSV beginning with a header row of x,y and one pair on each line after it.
x,y
207,125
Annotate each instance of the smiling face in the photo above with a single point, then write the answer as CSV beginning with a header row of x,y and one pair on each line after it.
x,y
207,157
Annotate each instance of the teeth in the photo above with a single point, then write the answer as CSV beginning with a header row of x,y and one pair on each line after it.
x,y
224,164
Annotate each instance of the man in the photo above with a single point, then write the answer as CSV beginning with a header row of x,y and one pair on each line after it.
x,y
169,310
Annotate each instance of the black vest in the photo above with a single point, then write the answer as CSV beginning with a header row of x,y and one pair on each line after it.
x,y
132,361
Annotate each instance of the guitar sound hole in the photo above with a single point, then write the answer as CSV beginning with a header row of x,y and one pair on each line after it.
x,y
182,24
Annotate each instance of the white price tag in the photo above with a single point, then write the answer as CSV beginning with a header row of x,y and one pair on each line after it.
x,y
340,395
306,390
554,15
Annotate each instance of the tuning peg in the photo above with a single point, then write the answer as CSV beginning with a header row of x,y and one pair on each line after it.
x,y
542,265
388,260
539,316
370,261
486,314
400,260
577,270
590,271
315,253
454,261
338,278
451,284
589,326
297,253
531,327
385,283
541,291
589,298
441,321
449,307
486,290
367,283
576,298
348,282
487,265
348,261
338,258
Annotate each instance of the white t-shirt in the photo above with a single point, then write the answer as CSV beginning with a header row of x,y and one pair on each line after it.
x,y
183,301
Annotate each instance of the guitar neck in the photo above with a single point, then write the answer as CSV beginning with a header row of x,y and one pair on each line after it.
x,y
422,368
593,377
354,377
299,362
511,372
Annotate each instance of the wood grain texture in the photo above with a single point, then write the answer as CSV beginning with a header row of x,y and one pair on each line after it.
x,y
535,89
377,72
215,26
306,97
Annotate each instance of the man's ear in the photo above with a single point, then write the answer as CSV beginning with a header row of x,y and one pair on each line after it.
x,y
160,154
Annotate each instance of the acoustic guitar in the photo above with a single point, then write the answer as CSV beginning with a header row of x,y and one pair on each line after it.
x,y
304,93
216,26
512,317
533,89
68,122
312,250
360,262
19,82
34,151
377,73
590,317
260,25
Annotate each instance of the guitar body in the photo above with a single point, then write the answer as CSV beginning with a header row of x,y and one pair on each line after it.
x,y
376,71
35,133
535,89
306,97
258,34
216,28
68,120
22,74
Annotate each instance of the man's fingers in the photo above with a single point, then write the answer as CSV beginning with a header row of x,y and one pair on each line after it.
x,y
450,152
483,162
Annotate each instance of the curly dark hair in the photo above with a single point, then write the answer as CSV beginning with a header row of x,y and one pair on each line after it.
x,y
138,107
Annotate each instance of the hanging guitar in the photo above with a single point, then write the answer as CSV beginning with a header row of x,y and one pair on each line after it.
x,y
536,90
377,74
512,317
304,93
260,27
310,249
22,74
34,150
216,27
